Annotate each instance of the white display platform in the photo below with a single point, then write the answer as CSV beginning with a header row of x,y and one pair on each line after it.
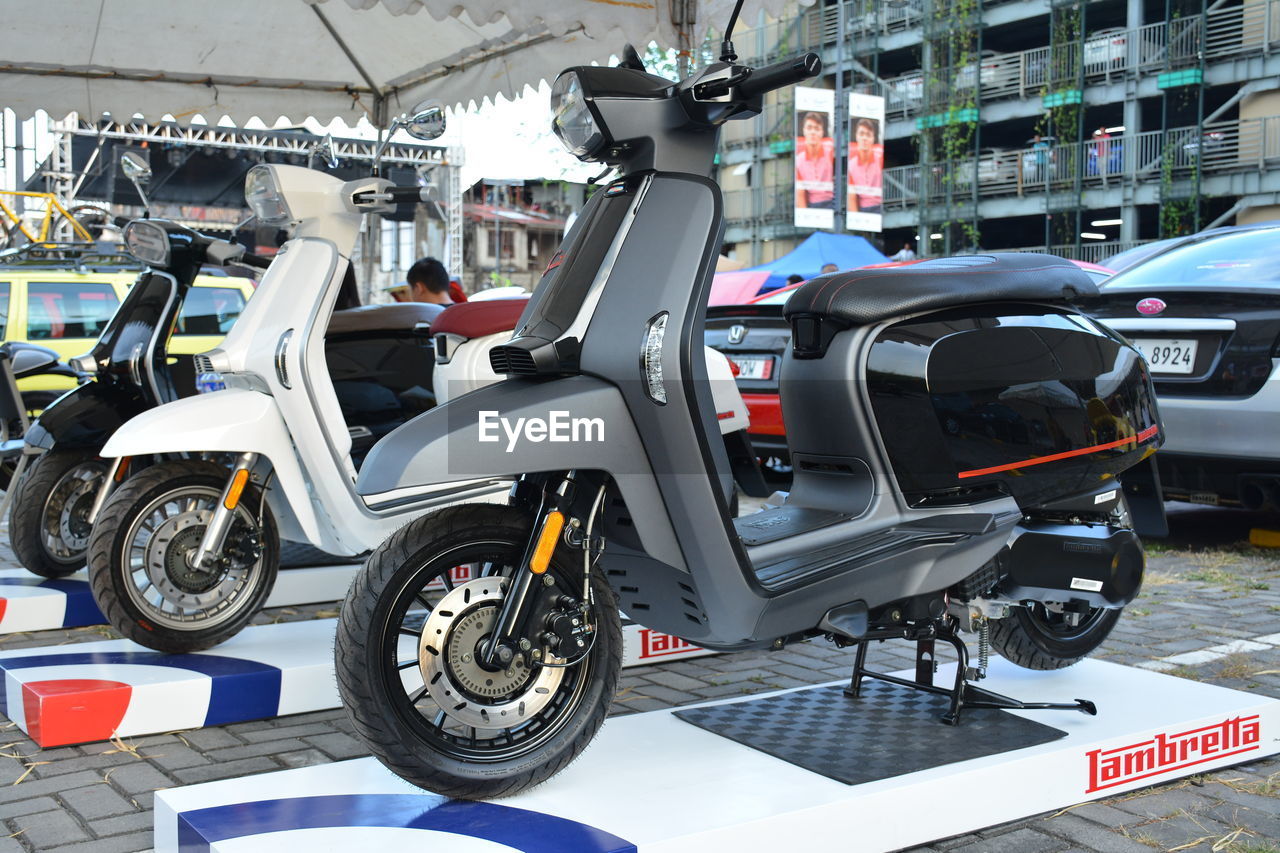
x,y
87,692
655,783
32,603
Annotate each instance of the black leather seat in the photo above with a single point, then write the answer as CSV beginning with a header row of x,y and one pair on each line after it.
x,y
859,297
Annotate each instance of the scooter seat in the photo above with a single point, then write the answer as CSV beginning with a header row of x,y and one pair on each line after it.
x,y
401,316
860,297
477,319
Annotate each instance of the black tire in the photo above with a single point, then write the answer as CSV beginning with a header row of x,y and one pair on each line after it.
x,y
1036,638
48,525
415,742
160,620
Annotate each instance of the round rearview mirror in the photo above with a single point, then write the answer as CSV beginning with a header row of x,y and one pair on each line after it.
x,y
323,152
135,167
426,121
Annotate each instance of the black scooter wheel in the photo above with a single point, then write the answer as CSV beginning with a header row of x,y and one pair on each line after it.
x,y
48,524
139,570
1037,638
413,683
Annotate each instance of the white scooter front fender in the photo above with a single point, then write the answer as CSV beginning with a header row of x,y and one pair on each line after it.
x,y
225,421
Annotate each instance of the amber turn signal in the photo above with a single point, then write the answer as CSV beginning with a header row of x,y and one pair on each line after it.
x,y
238,481
551,529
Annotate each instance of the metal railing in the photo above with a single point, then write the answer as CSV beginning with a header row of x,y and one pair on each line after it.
x,y
1104,55
759,205
1090,251
1167,157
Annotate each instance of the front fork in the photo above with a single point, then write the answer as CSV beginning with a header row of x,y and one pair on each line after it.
x,y
554,512
223,514
115,476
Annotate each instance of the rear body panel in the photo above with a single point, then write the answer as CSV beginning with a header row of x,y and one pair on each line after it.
x,y
1016,400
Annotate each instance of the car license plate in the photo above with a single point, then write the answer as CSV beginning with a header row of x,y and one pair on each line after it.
x,y
754,366
1168,355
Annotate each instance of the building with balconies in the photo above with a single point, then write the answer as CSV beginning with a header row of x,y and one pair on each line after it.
x,y
1075,127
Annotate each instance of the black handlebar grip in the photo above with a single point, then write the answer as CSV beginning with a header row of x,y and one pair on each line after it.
x,y
254,261
403,195
780,74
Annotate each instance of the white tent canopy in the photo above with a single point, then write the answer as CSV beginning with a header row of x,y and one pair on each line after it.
x,y
324,58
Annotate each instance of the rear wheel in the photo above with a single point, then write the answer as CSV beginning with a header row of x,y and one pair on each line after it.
x,y
49,523
140,558
1036,637
408,658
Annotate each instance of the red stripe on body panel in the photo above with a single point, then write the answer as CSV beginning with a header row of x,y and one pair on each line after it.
x,y
1147,433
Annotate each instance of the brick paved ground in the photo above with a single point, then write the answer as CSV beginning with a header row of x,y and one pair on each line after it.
x,y
1205,590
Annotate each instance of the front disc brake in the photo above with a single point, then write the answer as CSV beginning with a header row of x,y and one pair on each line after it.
x,y
465,690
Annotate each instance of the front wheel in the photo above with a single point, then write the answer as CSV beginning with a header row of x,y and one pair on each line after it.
x,y
408,657
49,523
140,554
1035,637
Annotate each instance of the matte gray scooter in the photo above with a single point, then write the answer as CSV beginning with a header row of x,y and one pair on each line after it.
x,y
870,545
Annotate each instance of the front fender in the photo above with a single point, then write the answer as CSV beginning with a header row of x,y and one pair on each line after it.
x,y
85,416
448,444
228,421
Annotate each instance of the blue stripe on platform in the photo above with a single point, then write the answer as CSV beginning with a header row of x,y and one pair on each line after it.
x,y
529,831
240,689
81,609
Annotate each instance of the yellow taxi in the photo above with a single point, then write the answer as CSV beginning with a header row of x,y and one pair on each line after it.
x,y
66,309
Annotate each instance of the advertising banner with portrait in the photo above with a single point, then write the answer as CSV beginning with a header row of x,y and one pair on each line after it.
x,y
815,157
866,163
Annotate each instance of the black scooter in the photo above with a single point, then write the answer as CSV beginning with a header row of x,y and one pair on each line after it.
x,y
895,527
128,372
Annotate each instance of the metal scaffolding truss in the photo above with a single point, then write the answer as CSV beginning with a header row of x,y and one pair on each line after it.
x,y
241,139
297,145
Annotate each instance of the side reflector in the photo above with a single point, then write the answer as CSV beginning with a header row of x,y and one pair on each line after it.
x,y
122,470
238,481
551,529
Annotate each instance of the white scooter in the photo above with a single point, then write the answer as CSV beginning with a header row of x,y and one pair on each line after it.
x,y
185,551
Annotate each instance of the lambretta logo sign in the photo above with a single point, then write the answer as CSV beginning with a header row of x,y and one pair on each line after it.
x,y
1112,767
558,426
655,644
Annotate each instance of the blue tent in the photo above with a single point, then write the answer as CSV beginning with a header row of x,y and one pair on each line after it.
x,y
846,251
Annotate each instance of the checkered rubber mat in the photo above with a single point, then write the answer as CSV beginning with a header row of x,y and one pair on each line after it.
x,y
890,731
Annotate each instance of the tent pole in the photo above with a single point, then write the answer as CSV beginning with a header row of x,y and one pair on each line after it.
x,y
372,221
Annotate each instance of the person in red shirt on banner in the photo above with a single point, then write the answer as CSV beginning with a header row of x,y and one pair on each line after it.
x,y
866,167
815,163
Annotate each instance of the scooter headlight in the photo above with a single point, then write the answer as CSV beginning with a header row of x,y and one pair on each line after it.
x,y
148,242
571,117
262,194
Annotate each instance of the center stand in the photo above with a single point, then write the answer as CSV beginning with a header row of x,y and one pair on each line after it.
x,y
963,694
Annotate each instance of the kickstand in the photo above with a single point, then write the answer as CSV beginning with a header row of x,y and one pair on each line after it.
x,y
962,693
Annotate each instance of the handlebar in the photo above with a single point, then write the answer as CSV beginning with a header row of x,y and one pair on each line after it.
x,y
780,74
394,195
225,252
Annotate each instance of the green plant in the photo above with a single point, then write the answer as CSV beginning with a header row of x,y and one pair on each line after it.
x,y
945,138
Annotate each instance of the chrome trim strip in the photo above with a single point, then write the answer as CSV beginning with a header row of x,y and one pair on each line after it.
x,y
1167,324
